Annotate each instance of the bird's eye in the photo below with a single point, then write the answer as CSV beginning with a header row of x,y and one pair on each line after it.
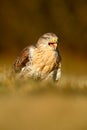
x,y
48,37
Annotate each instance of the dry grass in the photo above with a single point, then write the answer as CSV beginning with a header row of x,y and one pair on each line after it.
x,y
34,105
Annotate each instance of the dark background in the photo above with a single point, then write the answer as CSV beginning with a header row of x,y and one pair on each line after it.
x,y
22,22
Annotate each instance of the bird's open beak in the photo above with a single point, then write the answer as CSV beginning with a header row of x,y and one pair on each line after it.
x,y
53,43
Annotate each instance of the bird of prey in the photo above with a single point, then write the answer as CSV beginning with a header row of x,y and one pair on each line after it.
x,y
41,61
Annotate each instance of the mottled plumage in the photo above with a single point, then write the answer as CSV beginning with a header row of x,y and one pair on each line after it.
x,y
42,61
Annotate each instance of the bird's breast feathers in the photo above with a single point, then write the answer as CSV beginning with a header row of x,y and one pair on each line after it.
x,y
41,63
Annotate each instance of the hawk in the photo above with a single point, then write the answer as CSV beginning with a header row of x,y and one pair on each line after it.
x,y
41,61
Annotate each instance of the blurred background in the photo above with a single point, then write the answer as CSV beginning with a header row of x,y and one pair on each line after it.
x,y
39,106
22,22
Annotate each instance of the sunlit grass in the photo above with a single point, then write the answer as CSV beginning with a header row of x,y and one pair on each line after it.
x,y
68,84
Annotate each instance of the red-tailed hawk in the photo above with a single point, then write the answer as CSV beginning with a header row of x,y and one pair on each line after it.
x,y
42,61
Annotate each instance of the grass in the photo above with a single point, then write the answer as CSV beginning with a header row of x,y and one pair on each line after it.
x,y
35,105
67,85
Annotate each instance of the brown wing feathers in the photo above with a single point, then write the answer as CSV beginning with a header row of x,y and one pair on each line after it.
x,y
21,60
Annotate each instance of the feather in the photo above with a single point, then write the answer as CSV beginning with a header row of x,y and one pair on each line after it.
x,y
23,59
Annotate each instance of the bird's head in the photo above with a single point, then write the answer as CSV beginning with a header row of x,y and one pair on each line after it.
x,y
48,41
